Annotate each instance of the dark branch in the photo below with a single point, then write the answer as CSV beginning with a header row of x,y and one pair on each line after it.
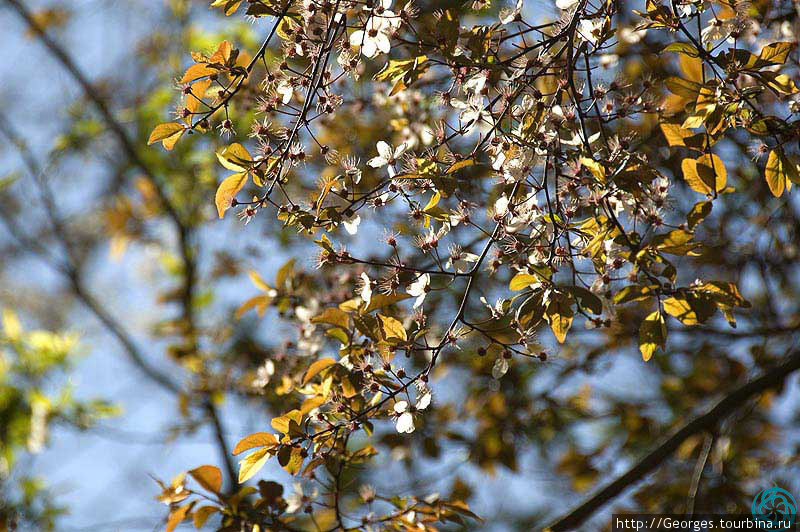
x,y
773,378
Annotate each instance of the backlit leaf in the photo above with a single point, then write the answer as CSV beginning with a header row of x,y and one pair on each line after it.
x,y
559,315
259,439
652,334
227,190
705,174
521,281
167,133
209,477
253,463
316,367
392,329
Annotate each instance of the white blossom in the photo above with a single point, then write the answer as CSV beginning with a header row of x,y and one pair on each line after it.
x,y
374,39
285,91
366,288
405,419
351,225
387,156
419,289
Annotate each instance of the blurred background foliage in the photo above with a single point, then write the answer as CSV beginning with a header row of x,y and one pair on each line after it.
x,y
115,252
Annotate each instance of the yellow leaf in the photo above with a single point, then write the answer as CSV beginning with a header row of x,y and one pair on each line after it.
x,y
776,52
706,174
781,83
291,458
259,283
521,281
699,213
252,463
227,190
198,71
193,100
459,165
257,302
223,53
165,132
202,514
692,67
679,308
595,168
333,316
229,6
177,516
652,334
310,404
433,201
259,439
381,300
235,157
316,367
776,172
392,328
559,315
683,87
209,477
676,135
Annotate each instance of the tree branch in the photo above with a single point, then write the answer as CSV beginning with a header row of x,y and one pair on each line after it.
x,y
771,379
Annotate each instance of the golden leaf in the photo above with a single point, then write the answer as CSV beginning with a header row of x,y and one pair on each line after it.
x,y
259,439
652,334
227,190
198,71
392,329
521,281
168,134
177,516
559,315
705,174
208,476
252,463
316,367
202,514
235,157
780,172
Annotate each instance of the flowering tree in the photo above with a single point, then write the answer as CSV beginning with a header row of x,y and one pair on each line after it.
x,y
500,202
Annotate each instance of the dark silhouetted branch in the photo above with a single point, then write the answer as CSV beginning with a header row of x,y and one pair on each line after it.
x,y
705,422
